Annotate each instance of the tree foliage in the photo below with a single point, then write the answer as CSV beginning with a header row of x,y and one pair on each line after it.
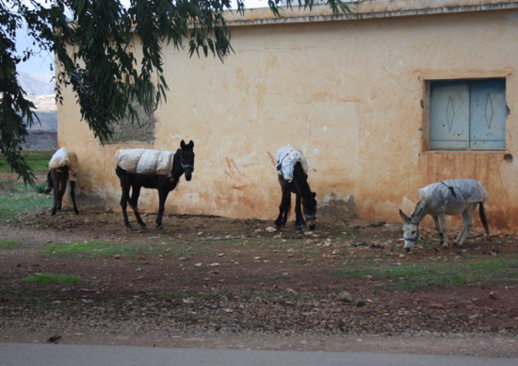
x,y
103,69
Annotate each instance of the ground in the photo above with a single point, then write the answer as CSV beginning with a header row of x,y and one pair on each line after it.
x,y
213,282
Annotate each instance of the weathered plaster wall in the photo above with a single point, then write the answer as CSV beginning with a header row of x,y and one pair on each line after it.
x,y
349,94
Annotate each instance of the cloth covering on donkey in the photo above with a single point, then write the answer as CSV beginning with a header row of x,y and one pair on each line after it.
x,y
65,157
286,159
145,161
453,193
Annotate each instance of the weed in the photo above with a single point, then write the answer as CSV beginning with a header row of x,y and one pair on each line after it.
x,y
9,244
96,249
40,187
52,279
404,276
15,204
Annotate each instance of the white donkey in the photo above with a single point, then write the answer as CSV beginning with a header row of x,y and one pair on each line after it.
x,y
450,197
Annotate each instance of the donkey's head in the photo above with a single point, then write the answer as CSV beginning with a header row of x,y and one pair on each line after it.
x,y
411,224
49,184
309,206
187,159
410,231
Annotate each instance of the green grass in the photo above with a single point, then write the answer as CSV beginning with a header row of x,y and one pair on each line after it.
x,y
13,204
95,249
52,279
37,160
9,244
433,274
107,249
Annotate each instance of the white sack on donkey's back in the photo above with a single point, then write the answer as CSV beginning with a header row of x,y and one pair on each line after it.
x,y
145,161
286,159
65,157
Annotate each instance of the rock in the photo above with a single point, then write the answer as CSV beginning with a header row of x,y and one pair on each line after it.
x,y
360,303
271,229
437,306
493,295
345,296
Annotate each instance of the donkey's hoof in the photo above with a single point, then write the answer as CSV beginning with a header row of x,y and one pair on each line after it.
x,y
159,228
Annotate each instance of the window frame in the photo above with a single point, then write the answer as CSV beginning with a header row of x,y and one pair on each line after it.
x,y
426,104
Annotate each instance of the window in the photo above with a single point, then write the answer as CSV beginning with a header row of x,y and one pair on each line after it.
x,y
467,114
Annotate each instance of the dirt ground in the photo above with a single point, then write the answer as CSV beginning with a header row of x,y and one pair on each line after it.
x,y
212,282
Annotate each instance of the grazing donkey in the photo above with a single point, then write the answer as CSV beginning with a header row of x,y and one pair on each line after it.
x,y
63,168
291,169
450,197
162,172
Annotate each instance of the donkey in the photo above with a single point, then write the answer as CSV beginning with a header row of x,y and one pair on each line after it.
x,y
299,185
63,168
450,197
183,162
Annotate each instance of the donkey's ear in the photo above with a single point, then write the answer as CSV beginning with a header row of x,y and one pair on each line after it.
x,y
182,144
191,144
403,216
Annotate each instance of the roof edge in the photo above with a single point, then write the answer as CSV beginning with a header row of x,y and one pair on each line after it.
x,y
367,9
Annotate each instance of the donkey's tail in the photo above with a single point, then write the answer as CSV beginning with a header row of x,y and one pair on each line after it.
x,y
482,214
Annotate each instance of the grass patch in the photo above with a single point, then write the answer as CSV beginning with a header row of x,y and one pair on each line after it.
x,y
52,279
9,244
98,249
14,204
432,274
37,160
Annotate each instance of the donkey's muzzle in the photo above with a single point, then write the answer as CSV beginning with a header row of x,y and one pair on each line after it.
x,y
188,175
311,222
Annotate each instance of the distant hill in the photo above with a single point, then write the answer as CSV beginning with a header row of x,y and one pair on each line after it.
x,y
48,121
41,141
36,84
40,91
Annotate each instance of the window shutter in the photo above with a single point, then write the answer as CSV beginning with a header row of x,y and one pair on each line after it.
x,y
449,115
487,114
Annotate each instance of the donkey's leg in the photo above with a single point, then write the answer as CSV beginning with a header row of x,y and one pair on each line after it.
x,y
287,208
125,187
283,209
134,204
442,226
58,187
162,196
467,222
299,221
62,186
73,195
437,226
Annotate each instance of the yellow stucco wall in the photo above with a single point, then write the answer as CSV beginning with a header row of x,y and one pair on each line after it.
x,y
348,93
